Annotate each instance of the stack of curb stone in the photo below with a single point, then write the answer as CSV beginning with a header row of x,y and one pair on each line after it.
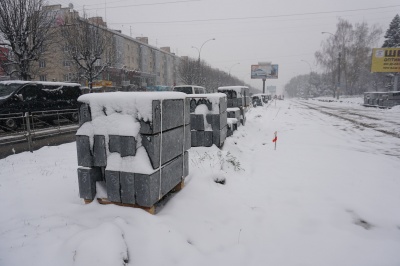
x,y
208,119
234,115
136,142
238,96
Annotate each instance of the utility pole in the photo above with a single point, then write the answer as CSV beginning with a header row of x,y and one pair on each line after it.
x,y
338,84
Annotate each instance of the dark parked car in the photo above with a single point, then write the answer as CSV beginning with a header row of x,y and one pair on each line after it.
x,y
18,97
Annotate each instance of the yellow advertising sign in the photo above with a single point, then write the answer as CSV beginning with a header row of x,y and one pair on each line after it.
x,y
101,83
385,60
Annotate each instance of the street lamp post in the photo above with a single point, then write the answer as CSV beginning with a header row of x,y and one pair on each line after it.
x,y
339,58
309,78
232,67
198,61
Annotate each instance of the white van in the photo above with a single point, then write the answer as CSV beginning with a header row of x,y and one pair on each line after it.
x,y
190,89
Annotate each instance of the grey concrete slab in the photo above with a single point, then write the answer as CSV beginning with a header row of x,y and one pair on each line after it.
x,y
84,153
113,186
114,144
230,103
172,142
85,114
149,189
127,181
208,138
219,136
196,122
217,121
173,114
99,151
127,146
87,178
193,138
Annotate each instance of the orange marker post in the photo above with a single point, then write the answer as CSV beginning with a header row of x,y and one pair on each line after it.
x,y
275,138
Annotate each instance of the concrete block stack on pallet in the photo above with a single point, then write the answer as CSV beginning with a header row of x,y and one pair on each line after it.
x,y
134,143
234,115
208,119
238,97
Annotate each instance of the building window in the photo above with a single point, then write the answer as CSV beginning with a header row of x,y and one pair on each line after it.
x,y
67,63
43,78
68,77
42,63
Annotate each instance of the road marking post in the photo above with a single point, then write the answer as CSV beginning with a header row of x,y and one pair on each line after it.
x,y
275,139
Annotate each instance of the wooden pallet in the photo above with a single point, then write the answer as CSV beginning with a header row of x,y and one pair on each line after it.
x,y
151,210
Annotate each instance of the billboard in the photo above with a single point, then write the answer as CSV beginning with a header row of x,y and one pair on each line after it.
x,y
264,71
385,60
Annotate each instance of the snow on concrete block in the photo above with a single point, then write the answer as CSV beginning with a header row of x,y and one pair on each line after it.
x,y
172,144
113,186
196,121
85,157
99,151
87,178
219,136
217,121
127,181
174,113
84,114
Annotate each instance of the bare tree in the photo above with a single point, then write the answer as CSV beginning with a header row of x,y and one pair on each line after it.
x,y
346,54
187,71
25,30
88,44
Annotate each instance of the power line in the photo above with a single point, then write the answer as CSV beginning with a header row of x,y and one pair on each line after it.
x,y
149,4
258,17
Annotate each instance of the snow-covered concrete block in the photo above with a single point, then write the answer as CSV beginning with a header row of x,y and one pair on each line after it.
x,y
230,103
84,152
84,113
219,136
197,122
174,113
195,101
99,151
233,112
150,188
87,178
198,138
217,121
114,144
113,186
169,143
127,181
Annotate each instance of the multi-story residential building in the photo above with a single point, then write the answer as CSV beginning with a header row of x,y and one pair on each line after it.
x,y
136,64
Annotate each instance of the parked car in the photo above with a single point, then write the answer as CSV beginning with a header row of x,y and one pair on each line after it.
x,y
190,89
18,97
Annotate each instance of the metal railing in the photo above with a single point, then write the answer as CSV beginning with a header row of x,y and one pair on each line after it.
x,y
39,124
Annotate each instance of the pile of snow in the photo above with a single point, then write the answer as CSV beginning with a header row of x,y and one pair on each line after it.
x,y
328,195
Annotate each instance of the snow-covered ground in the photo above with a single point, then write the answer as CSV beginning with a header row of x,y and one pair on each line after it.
x,y
328,195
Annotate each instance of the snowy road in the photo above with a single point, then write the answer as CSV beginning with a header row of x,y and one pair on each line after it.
x,y
328,195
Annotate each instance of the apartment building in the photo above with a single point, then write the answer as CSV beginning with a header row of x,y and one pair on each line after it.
x,y
135,64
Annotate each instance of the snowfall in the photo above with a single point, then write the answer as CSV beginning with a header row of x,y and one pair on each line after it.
x,y
327,194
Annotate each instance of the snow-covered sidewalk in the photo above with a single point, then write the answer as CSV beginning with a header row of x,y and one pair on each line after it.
x,y
327,195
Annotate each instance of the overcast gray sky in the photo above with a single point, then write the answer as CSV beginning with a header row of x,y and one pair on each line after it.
x,y
246,31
